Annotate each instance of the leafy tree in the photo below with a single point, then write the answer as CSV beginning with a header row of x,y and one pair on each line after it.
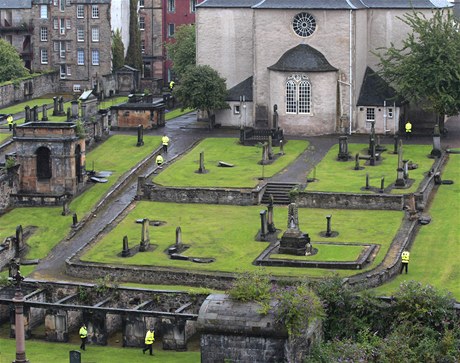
x,y
426,68
11,64
134,54
118,51
202,87
182,50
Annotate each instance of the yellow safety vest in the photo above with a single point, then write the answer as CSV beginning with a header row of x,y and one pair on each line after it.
x,y
408,127
165,140
171,85
149,337
10,120
83,332
405,257
159,160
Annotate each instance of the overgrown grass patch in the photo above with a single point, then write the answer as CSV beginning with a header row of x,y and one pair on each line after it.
x,y
434,259
340,176
227,233
244,174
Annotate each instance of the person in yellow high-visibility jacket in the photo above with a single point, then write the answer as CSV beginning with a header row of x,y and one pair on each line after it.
x,y
83,336
408,128
159,160
165,143
404,261
9,119
149,339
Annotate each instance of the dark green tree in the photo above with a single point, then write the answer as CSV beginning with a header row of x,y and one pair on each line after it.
x,y
11,64
118,51
134,54
202,88
426,68
182,50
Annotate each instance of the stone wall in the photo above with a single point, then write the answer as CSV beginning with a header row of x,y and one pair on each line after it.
x,y
9,182
32,87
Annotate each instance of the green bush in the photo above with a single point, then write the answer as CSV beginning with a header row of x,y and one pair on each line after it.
x,y
251,286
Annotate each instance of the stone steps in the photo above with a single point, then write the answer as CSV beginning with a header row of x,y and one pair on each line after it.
x,y
279,191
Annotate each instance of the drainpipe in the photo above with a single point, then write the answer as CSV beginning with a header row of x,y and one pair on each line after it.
x,y
350,112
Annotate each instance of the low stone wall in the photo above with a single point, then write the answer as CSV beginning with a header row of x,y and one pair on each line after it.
x,y
9,182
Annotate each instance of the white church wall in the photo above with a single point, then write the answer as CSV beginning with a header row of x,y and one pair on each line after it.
x,y
224,42
386,119
232,118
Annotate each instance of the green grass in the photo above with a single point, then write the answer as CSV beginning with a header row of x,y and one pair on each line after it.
x,y
52,226
227,234
176,113
4,136
328,253
434,259
244,174
351,181
108,102
43,352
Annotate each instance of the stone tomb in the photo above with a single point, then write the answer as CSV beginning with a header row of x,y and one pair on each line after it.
x,y
52,159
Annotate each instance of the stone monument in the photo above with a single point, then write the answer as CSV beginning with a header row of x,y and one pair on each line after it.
x,y
293,241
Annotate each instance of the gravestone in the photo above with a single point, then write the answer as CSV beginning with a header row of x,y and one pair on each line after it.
x,y
35,113
140,135
179,245
27,114
372,152
263,225
65,208
293,241
436,152
270,148
74,356
281,147
68,115
61,106
264,160
19,241
382,184
44,113
74,220
74,106
406,169
367,181
125,252
400,181
357,167
328,226
201,169
145,238
343,155
55,106
275,117
270,219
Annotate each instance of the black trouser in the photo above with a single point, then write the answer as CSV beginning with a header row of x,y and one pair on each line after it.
x,y
148,347
404,266
83,343
165,148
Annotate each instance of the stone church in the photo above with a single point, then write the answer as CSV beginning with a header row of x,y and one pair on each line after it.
x,y
308,61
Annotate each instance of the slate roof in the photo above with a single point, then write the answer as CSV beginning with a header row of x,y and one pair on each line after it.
x,y
303,58
16,4
326,4
375,90
241,89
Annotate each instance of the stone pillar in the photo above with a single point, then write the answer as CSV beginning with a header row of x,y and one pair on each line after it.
x,y
55,106
328,225
145,238
27,114
263,225
61,105
35,113
140,135
125,251
400,181
44,113
74,106
18,302
436,151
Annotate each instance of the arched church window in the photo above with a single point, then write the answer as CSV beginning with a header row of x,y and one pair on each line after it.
x,y
298,95
304,24
43,163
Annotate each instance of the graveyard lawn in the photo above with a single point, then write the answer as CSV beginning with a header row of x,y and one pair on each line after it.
x,y
52,226
4,136
227,233
244,174
434,255
329,170
176,113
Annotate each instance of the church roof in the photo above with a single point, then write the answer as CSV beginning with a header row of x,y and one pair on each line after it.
x,y
375,90
241,89
303,58
329,4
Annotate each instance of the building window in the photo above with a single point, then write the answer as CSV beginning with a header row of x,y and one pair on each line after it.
x,y
62,26
62,49
370,117
80,34
143,46
171,30
95,11
77,88
43,163
80,57
141,3
95,57
55,2
390,112
44,34
55,23
80,11
236,109
192,6
43,11
62,5
69,70
62,71
44,56
298,95
95,34
171,6
68,24
147,70
141,23
304,24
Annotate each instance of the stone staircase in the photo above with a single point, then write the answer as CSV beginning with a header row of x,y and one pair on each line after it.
x,y
280,192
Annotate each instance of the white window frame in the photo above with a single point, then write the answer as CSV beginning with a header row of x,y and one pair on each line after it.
x,y
80,11
68,70
61,5
56,2
62,49
80,34
192,6
62,26
141,3
80,57
68,24
171,30
370,117
76,88
95,61
390,112
62,71
298,95
55,23
236,109
171,6
95,34
95,11
43,11
43,34
142,23
44,56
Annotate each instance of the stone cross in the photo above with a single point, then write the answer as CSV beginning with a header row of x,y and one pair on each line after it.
x,y
125,251
44,113
145,238
202,169
293,217
263,224
140,135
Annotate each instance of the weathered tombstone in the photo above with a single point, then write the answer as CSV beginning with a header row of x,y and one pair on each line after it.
x,y
74,356
406,169
35,113
125,251
140,135
382,184
270,148
264,154
357,162
44,113
270,219
74,106
145,238
367,181
19,241
68,115
27,114
328,226
65,208
61,105
201,169
263,225
395,144
308,248
372,152
55,106
411,208
74,220
275,117
344,155
293,241
436,151
400,181
179,246
281,147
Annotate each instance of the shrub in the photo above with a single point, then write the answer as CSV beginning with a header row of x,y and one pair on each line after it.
x,y
251,286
